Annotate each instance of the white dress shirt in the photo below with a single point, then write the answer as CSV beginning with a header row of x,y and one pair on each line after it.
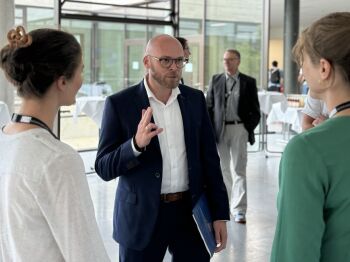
x,y
171,140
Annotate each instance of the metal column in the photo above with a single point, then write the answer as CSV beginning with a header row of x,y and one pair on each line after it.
x,y
291,32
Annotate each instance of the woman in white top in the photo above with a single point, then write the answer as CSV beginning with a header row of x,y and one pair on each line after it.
x,y
46,211
314,112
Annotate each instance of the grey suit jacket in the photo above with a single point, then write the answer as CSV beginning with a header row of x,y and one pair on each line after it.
x,y
248,104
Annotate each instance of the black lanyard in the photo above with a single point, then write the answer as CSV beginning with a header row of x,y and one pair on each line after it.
x,y
228,93
339,108
17,118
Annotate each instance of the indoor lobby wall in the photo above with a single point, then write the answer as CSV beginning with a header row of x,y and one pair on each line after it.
x,y
276,51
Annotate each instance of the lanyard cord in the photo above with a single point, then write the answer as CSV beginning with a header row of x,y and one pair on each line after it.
x,y
18,118
339,108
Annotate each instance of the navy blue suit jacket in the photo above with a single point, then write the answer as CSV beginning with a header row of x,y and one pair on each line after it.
x,y
138,192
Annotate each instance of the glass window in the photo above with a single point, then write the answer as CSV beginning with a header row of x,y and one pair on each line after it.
x,y
19,16
113,52
228,24
246,38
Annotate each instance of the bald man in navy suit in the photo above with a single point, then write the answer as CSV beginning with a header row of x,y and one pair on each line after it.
x,y
156,137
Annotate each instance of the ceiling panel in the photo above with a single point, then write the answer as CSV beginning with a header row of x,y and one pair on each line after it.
x,y
310,10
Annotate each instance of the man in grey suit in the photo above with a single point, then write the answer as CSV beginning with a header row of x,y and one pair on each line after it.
x,y
234,110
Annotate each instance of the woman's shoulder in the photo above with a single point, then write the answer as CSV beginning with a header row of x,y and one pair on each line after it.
x,y
52,145
38,154
323,139
47,148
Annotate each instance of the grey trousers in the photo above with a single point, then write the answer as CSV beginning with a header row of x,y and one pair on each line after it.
x,y
233,145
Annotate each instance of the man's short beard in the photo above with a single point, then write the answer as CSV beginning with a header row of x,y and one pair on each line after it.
x,y
160,81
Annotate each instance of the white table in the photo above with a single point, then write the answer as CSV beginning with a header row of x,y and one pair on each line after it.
x,y
268,98
292,116
95,89
92,106
4,114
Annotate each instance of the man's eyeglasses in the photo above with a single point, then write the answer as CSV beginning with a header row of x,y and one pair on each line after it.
x,y
166,62
230,59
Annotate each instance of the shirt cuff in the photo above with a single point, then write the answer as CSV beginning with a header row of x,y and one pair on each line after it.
x,y
136,153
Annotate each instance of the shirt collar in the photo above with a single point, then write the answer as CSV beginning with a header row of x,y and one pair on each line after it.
x,y
235,76
174,93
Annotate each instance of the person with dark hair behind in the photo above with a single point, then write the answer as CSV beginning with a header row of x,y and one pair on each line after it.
x,y
187,52
46,212
314,112
186,48
275,78
314,176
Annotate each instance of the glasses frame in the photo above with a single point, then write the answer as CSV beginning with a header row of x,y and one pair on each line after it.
x,y
230,59
173,60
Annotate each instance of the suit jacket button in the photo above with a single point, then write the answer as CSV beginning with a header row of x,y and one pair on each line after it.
x,y
157,175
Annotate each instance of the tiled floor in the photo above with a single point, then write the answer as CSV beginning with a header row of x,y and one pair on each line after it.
x,y
247,243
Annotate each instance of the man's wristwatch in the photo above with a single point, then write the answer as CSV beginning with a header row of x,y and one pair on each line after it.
x,y
138,149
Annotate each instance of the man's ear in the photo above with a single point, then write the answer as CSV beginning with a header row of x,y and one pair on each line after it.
x,y
146,62
61,83
325,69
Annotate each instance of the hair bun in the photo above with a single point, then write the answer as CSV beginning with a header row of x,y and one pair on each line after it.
x,y
18,38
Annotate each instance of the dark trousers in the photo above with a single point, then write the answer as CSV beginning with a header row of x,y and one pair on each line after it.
x,y
175,229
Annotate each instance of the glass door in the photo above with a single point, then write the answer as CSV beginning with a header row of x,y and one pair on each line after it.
x,y
134,70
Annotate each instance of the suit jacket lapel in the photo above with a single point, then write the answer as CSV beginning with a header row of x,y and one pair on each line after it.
x,y
184,107
222,86
242,88
142,101
185,112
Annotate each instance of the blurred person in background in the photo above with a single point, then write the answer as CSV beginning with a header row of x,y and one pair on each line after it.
x,y
187,52
275,78
233,106
314,112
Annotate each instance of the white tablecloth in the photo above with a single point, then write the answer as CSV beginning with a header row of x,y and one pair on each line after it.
x,y
289,115
4,114
92,106
95,89
268,98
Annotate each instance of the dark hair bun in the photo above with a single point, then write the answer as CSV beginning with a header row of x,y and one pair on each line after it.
x,y
32,62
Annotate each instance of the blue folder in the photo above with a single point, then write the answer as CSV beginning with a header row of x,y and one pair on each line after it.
x,y
202,217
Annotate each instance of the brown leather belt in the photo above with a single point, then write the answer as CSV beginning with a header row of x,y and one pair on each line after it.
x,y
171,197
